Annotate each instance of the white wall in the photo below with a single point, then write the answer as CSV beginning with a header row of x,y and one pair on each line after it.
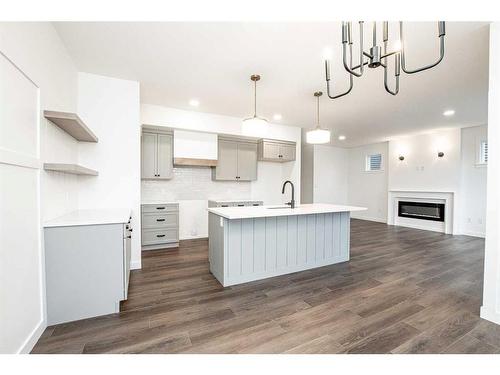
x,y
422,169
267,187
111,107
330,174
39,53
473,183
368,189
491,289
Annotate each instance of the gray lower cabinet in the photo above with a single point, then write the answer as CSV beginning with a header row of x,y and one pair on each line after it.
x,y
160,226
87,270
279,151
156,156
237,160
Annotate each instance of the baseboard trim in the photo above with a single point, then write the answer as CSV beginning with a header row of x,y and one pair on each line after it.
x,y
376,219
33,338
135,265
474,234
492,316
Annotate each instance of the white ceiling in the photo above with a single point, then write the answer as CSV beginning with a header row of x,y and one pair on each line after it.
x,y
212,62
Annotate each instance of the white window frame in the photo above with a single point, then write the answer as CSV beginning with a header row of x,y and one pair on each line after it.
x,y
479,155
367,163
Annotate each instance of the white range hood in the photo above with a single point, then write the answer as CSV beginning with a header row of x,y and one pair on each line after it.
x,y
195,148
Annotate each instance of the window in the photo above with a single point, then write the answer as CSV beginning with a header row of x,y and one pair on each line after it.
x,y
483,152
374,162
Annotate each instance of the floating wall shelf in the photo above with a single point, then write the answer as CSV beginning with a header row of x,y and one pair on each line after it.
x,y
71,124
70,168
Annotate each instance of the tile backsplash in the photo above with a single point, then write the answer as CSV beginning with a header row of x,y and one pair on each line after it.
x,y
194,183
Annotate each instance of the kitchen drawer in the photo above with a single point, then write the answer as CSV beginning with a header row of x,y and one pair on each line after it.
x,y
228,204
157,220
159,208
159,236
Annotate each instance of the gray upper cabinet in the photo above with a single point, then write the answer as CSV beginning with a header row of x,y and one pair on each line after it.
x,y
237,160
279,151
227,160
156,156
247,161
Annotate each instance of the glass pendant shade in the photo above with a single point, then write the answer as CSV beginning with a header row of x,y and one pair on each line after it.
x,y
318,136
254,126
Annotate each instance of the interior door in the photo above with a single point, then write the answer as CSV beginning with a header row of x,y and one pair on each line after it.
x,y
165,156
21,289
148,155
247,161
227,163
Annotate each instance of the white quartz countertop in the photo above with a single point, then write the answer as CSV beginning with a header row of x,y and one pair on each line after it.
x,y
159,202
91,217
235,200
269,211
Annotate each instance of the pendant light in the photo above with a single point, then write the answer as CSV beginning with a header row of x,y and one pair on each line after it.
x,y
318,135
254,125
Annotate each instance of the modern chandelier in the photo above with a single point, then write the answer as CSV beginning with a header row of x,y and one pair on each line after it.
x,y
377,56
254,124
318,135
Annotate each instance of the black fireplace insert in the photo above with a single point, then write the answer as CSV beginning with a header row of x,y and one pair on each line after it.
x,y
421,210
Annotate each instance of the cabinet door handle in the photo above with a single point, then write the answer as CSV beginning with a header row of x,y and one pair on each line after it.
x,y
160,235
160,219
160,208
129,236
241,205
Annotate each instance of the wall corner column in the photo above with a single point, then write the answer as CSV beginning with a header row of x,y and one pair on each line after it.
x,y
490,310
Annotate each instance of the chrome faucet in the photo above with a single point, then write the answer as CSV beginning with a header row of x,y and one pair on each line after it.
x,y
292,202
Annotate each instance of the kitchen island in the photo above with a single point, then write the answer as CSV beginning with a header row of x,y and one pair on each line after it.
x,y
253,243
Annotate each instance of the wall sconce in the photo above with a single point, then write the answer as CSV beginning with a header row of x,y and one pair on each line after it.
x,y
401,158
440,154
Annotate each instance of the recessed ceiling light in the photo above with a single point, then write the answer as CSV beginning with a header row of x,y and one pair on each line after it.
x,y
449,112
341,137
277,117
194,103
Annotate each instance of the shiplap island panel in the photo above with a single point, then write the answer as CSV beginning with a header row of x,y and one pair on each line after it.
x,y
243,248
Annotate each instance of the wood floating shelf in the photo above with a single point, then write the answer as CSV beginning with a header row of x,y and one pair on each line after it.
x,y
70,168
71,124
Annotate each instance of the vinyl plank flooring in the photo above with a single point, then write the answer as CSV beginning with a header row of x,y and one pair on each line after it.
x,y
403,291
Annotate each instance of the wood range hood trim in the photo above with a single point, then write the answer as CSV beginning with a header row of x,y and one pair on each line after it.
x,y
195,162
